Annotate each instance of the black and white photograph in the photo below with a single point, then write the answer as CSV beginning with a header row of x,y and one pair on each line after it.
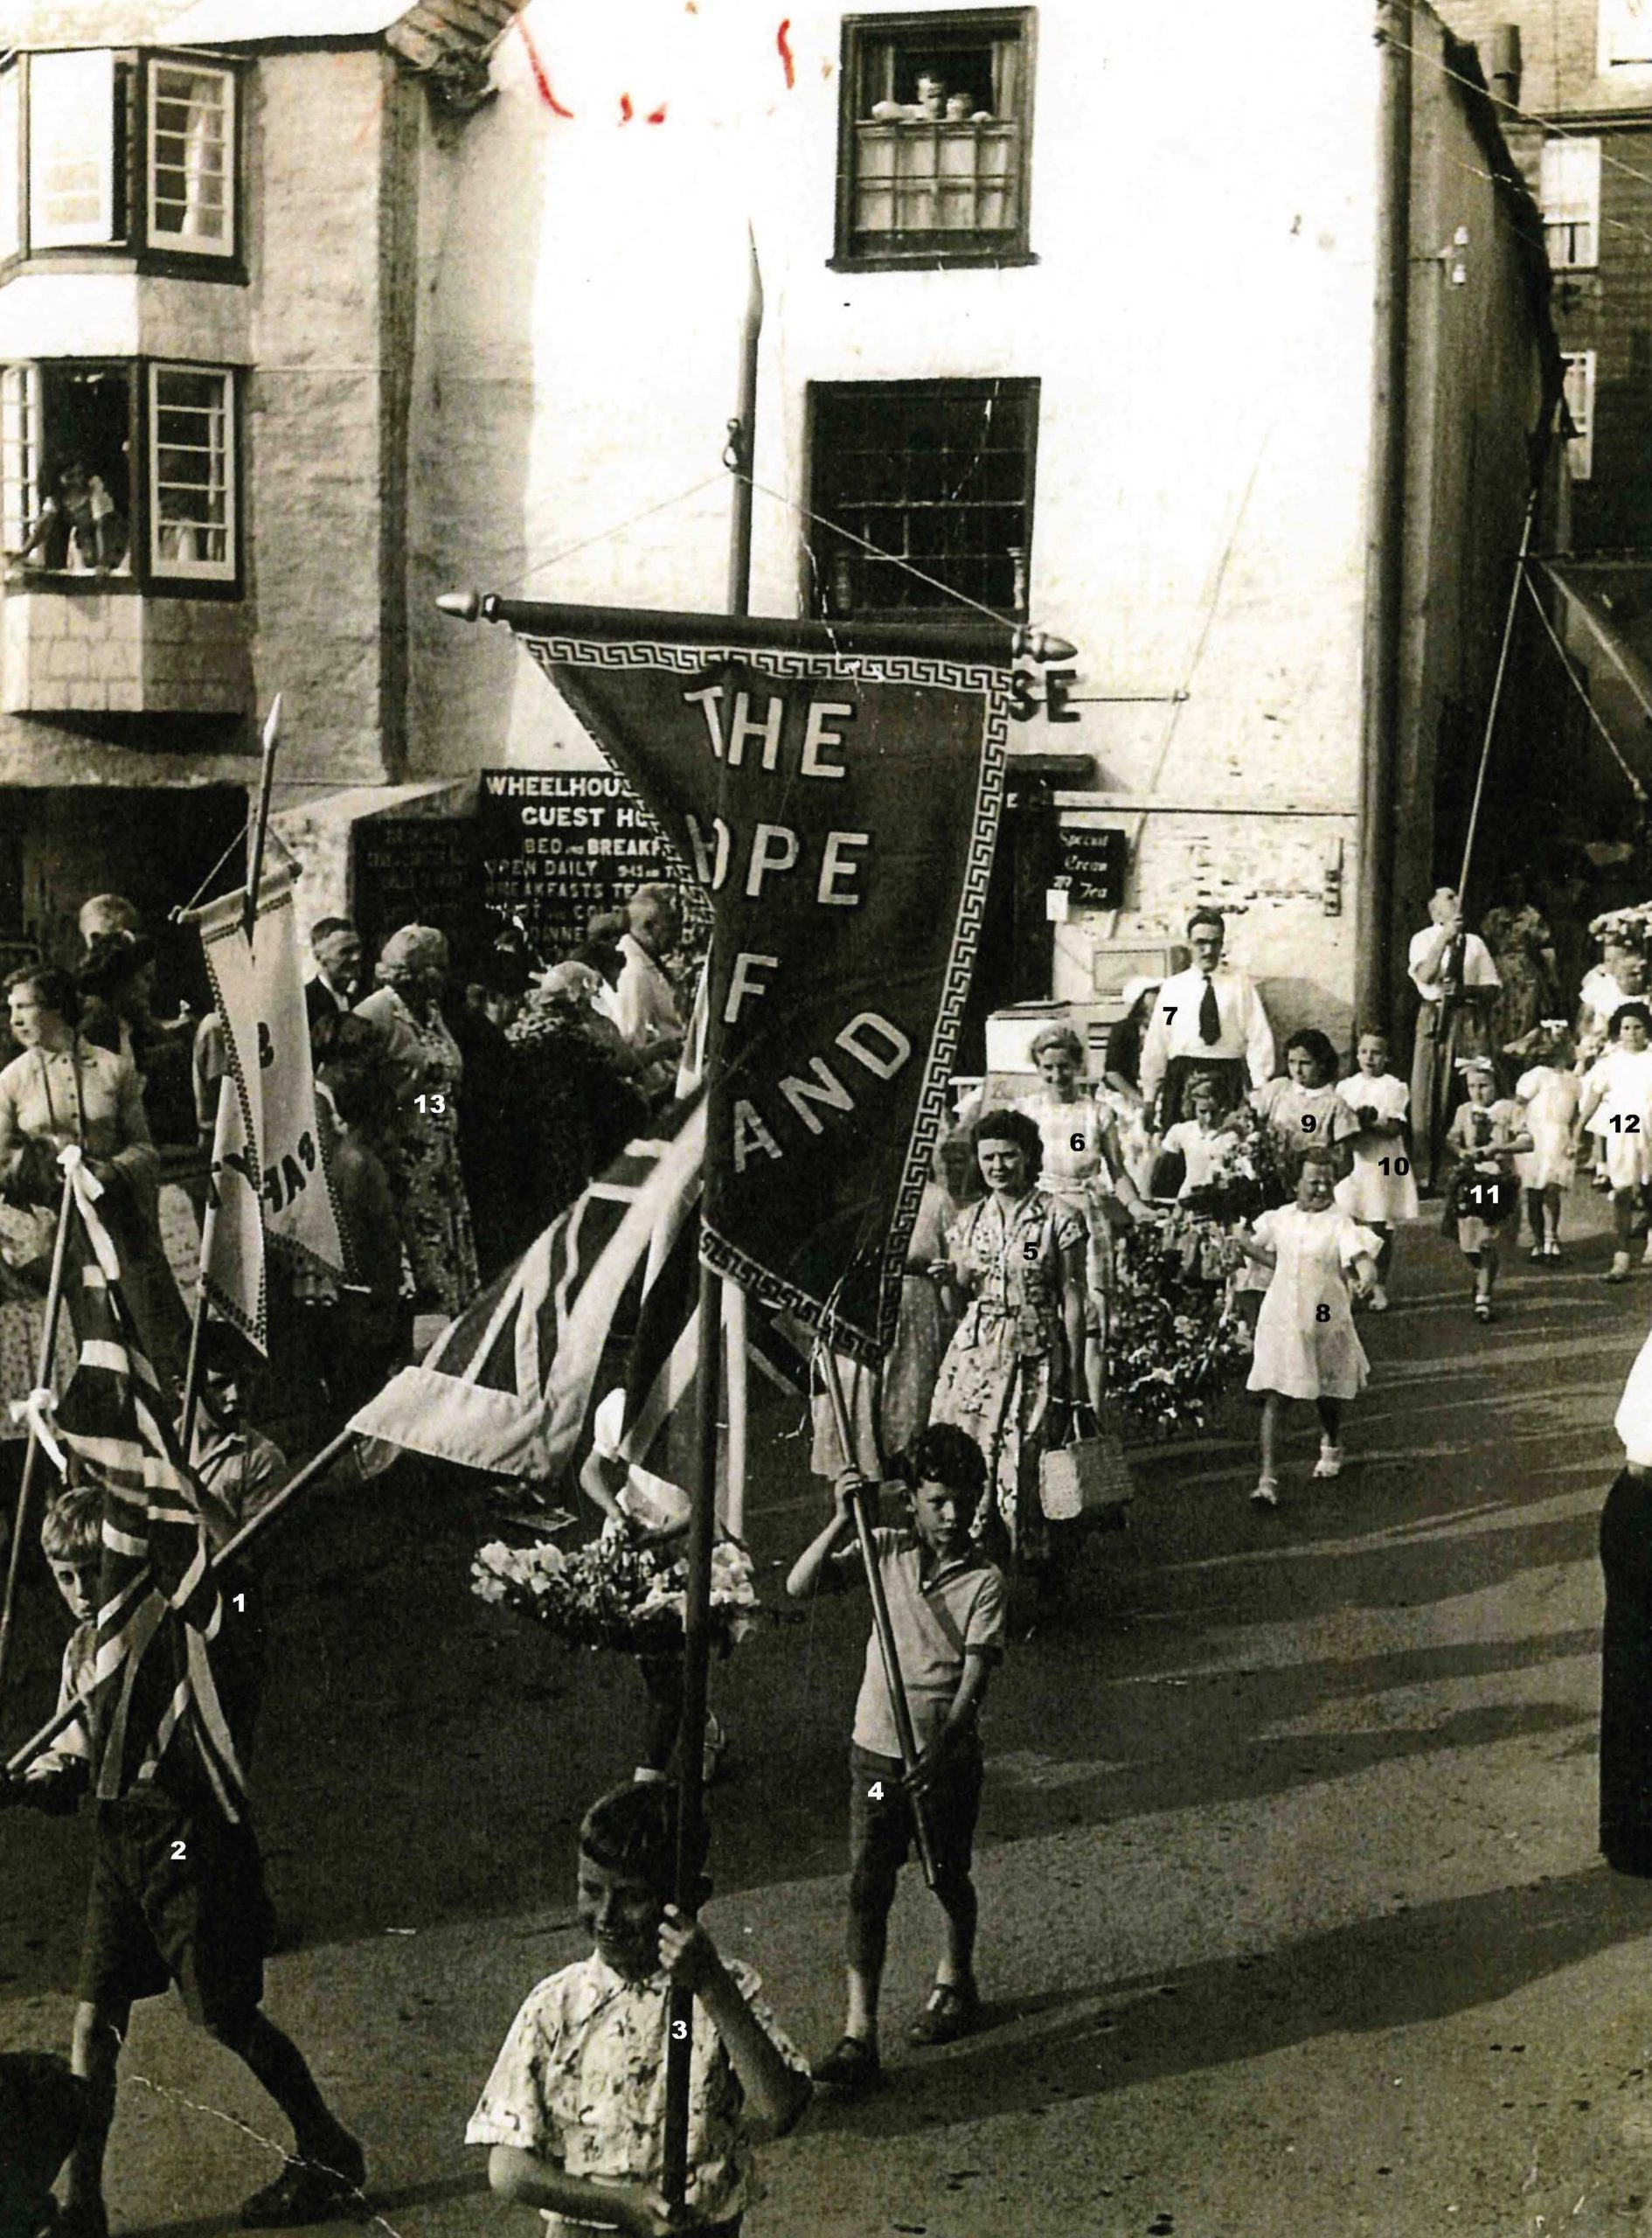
x,y
826,1118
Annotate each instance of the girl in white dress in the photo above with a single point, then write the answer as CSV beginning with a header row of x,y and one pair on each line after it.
x,y
1201,1142
1618,977
1485,1136
1306,1347
1379,1189
1616,1107
1548,1092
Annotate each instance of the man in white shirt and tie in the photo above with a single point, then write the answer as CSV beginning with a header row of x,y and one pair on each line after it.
x,y
645,1002
1453,972
1208,1022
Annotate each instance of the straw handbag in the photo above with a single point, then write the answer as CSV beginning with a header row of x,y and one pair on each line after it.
x,y
1088,1477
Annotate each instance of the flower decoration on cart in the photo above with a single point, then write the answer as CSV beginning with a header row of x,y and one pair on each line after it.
x,y
615,1594
1176,1348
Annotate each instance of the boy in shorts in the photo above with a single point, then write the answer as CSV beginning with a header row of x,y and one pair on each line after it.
x,y
178,1895
574,2107
947,1611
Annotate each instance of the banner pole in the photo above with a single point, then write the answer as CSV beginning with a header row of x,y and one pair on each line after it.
x,y
19,1763
260,821
691,1743
31,1453
881,1624
736,1370
209,1237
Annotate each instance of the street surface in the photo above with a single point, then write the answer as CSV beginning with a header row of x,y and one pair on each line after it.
x,y
1292,1919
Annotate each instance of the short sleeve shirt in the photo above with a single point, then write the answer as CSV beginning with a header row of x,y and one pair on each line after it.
x,y
580,2080
938,1614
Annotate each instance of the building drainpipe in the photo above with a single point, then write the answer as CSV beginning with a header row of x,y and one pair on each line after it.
x,y
1384,554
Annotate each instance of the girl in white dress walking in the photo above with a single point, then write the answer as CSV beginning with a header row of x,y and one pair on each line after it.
x,y
1548,1092
1306,1347
1379,1189
1617,1109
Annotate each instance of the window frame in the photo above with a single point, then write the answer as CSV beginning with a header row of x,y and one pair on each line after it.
x,y
1606,63
1559,223
116,236
815,579
167,248
849,253
1582,442
206,579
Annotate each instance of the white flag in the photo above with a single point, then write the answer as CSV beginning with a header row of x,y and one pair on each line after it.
x,y
261,999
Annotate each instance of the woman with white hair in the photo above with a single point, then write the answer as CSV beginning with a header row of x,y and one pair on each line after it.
x,y
422,1146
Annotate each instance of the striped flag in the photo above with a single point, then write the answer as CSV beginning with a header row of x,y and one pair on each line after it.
x,y
508,1385
155,1694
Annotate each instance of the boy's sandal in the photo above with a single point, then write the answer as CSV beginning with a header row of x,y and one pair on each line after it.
x,y
1267,1492
952,2012
851,2064
1482,1309
1616,1274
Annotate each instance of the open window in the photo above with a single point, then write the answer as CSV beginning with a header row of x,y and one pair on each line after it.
x,y
925,490
934,138
133,152
118,472
1578,423
1570,193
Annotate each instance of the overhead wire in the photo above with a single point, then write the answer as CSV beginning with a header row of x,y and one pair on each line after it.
x,y
1581,689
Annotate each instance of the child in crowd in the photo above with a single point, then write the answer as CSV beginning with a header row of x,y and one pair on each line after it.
x,y
41,2107
178,1895
1548,1093
1616,1106
1379,1189
1199,1141
1617,978
1306,1347
947,1611
574,2108
652,1512
1305,1106
1485,1136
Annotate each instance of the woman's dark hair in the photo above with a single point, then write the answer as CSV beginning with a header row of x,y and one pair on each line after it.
x,y
943,1455
54,989
1631,1009
1002,1126
1318,1047
633,1829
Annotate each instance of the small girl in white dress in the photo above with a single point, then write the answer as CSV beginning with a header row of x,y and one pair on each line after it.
x,y
1306,1347
1201,1142
1379,1189
1548,1092
1616,1107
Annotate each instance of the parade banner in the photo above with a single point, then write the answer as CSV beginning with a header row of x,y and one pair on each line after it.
x,y
260,996
840,806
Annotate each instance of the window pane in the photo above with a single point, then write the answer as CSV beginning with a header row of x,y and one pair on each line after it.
x,y
935,139
1625,31
70,148
191,489
10,161
191,134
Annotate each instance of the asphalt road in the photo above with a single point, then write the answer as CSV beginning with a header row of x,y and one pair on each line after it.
x,y
1291,1915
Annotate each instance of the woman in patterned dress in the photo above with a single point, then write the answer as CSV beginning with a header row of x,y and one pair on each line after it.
x,y
422,1149
1014,1363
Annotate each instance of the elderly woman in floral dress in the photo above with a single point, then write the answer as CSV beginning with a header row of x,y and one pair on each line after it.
x,y
424,1068
1016,1359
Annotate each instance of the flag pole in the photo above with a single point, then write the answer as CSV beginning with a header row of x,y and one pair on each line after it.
x,y
17,1764
697,1620
43,1369
260,821
881,1625
209,1235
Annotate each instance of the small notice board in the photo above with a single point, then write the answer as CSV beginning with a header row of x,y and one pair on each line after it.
x,y
1092,866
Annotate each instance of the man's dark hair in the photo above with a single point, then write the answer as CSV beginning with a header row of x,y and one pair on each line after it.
x,y
324,928
943,1455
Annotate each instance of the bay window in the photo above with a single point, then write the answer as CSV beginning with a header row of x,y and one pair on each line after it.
x,y
131,152
119,473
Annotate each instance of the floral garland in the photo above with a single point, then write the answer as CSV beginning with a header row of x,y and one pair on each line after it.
x,y
1630,927
1175,1348
615,1594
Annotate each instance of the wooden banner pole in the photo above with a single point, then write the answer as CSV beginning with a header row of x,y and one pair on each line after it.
x,y
43,1369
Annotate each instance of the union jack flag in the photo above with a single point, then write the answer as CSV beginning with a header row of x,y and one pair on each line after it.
x,y
155,1697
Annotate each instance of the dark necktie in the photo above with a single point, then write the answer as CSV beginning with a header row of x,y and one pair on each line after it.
x,y
1210,1017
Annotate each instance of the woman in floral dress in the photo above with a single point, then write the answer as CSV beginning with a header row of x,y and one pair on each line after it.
x,y
1523,949
1013,1366
421,1151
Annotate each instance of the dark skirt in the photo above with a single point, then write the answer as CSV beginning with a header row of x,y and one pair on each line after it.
x,y
1626,1677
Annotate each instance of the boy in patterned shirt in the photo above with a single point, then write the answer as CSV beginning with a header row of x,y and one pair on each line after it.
x,y
575,2109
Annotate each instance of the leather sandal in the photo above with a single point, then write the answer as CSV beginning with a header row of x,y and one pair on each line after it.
x,y
951,2010
852,2064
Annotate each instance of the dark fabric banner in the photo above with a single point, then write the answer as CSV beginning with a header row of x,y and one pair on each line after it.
x,y
840,807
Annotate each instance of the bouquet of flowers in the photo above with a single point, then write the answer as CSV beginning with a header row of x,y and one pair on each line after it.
x,y
1175,1348
615,1594
1251,1177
